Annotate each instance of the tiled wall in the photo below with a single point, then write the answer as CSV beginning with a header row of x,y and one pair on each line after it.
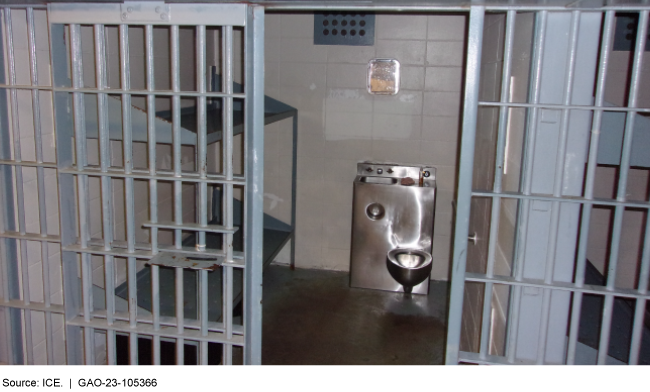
x,y
341,124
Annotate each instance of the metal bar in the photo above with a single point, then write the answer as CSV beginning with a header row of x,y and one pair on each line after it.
x,y
637,331
162,93
9,265
581,263
35,306
466,165
498,174
422,7
20,197
82,186
254,172
529,156
127,154
40,178
552,106
565,199
236,262
176,131
153,188
640,312
193,226
608,307
191,324
178,187
558,183
562,286
105,183
180,344
201,136
166,332
468,357
30,236
28,164
203,296
227,44
294,176
162,175
64,132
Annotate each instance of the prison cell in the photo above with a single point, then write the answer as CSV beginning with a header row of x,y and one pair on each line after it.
x,y
87,118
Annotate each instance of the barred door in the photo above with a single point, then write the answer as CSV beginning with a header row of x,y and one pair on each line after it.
x,y
118,124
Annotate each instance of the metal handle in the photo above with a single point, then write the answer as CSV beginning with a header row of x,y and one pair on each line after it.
x,y
472,238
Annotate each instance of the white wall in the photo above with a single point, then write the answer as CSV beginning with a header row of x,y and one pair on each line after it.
x,y
341,124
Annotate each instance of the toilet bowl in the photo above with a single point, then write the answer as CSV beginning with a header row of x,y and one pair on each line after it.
x,y
409,267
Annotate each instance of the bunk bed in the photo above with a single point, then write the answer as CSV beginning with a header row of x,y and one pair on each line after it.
x,y
276,232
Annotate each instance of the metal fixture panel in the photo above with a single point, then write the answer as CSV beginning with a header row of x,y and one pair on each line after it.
x,y
389,214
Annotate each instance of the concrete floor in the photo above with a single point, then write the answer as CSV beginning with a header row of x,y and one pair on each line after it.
x,y
314,317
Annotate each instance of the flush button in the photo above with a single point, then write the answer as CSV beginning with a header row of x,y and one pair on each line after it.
x,y
375,211
379,171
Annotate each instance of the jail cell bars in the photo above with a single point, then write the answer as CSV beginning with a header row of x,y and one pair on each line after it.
x,y
32,289
99,178
533,114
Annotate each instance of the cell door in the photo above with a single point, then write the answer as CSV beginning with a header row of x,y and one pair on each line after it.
x,y
550,190
132,181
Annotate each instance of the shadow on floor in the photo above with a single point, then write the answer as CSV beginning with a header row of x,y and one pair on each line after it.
x,y
313,317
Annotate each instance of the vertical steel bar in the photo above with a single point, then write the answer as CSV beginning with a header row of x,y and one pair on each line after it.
x,y
11,289
20,196
466,165
498,174
203,300
178,187
228,80
127,153
640,312
608,307
201,132
576,305
203,187
64,132
180,321
82,185
294,175
105,183
254,174
176,132
40,178
153,188
529,157
557,187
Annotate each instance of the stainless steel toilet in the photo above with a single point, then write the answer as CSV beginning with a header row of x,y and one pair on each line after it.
x,y
409,267
392,227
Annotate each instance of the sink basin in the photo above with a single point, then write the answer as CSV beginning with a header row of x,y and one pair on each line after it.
x,y
379,180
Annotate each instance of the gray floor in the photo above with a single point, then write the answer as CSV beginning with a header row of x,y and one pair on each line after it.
x,y
314,317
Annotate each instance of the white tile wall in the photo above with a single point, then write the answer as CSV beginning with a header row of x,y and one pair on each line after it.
x,y
341,124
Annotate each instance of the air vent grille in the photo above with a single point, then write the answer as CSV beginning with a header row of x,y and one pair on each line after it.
x,y
344,28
